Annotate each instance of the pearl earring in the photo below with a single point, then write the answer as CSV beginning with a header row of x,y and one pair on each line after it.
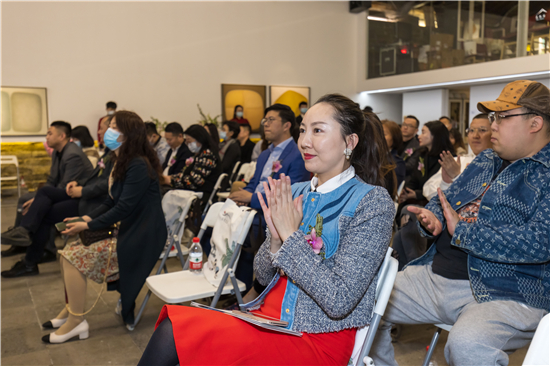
x,y
347,152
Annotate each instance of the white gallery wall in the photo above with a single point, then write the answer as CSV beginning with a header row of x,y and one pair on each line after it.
x,y
426,105
161,59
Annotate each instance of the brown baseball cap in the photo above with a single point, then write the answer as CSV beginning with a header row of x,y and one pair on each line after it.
x,y
517,94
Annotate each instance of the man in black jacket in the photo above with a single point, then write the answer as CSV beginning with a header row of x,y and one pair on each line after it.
x,y
178,153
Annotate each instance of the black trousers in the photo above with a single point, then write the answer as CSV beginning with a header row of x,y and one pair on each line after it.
x,y
50,206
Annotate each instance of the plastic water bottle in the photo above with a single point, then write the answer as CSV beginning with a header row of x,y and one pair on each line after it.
x,y
195,257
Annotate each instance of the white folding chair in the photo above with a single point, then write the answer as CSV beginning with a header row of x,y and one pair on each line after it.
x,y
234,173
249,172
539,350
214,191
178,287
433,343
12,160
365,335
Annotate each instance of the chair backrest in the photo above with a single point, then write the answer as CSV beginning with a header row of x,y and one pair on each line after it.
x,y
249,173
211,217
176,205
242,170
399,190
384,286
234,174
9,159
216,187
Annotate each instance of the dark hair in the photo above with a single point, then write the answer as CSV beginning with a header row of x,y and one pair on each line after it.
x,y
368,109
440,141
459,141
82,134
285,113
368,156
174,128
63,127
135,146
246,126
413,117
233,127
444,117
481,116
395,132
213,132
199,133
150,128
111,105
301,104
235,111
387,164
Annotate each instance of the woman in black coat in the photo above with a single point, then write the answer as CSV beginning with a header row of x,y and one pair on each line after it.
x,y
134,202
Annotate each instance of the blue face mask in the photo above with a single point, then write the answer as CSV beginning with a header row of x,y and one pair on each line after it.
x,y
239,114
303,110
194,147
110,139
78,143
223,135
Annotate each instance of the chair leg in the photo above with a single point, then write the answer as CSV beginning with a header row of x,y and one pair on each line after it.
x,y
180,254
431,348
141,309
373,327
235,286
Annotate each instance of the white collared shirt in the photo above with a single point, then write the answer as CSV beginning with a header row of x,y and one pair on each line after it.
x,y
334,182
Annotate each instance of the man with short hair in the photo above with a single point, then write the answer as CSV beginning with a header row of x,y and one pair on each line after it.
x,y
69,163
303,109
282,156
247,146
157,141
174,161
111,109
447,122
488,272
409,129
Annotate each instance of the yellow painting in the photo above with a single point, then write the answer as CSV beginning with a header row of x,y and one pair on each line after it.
x,y
250,97
291,96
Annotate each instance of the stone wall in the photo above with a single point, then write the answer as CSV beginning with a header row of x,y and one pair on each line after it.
x,y
34,163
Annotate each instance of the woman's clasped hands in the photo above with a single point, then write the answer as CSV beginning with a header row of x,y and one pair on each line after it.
x,y
284,214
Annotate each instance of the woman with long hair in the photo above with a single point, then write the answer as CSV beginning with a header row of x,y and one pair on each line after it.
x,y
212,131
433,141
394,140
326,241
82,137
230,149
203,168
458,142
238,115
134,202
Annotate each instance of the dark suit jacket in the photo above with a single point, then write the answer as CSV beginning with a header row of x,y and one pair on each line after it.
x,y
292,166
231,157
246,151
136,203
183,154
96,187
72,166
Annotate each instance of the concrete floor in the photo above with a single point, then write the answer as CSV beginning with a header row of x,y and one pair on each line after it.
x,y
27,302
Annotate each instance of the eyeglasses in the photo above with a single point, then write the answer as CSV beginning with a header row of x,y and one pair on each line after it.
x,y
407,125
268,121
472,131
493,117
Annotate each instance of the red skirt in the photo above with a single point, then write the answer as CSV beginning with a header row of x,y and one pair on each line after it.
x,y
206,337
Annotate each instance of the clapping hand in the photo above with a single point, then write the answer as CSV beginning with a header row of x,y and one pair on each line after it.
x,y
450,215
450,168
432,223
407,194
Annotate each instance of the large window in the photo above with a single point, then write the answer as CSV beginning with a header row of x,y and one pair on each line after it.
x,y
413,36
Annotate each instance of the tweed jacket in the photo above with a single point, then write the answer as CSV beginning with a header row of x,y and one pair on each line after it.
x,y
333,290
508,246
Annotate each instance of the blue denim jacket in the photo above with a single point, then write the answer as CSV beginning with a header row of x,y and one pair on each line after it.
x,y
508,246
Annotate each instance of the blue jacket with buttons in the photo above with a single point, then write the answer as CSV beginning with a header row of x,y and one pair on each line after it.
x,y
508,246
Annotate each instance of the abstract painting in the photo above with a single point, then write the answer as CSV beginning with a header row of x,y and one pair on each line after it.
x,y
24,111
291,96
251,97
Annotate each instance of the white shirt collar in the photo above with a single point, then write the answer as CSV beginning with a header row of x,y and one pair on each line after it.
x,y
334,182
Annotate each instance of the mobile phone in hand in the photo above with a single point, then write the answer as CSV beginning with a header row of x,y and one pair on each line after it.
x,y
62,226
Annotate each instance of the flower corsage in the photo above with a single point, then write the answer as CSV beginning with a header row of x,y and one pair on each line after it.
x,y
313,237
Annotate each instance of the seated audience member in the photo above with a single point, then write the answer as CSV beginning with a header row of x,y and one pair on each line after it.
x,y
202,169
488,272
394,139
238,114
174,161
135,202
328,285
458,142
303,109
230,151
260,146
50,206
409,129
447,122
386,160
80,135
282,156
433,141
247,146
213,132
68,163
157,141
111,109
479,139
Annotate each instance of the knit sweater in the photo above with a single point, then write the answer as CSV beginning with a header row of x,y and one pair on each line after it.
x,y
334,291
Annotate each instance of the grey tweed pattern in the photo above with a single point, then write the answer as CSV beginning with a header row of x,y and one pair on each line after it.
x,y
335,293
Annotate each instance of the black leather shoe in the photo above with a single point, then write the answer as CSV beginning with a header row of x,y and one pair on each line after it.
x,y
18,236
48,257
20,269
13,251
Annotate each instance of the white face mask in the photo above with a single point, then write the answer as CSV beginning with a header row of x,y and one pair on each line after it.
x,y
110,113
194,147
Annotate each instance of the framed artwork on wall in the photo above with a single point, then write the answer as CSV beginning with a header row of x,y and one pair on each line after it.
x,y
24,111
291,96
251,97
